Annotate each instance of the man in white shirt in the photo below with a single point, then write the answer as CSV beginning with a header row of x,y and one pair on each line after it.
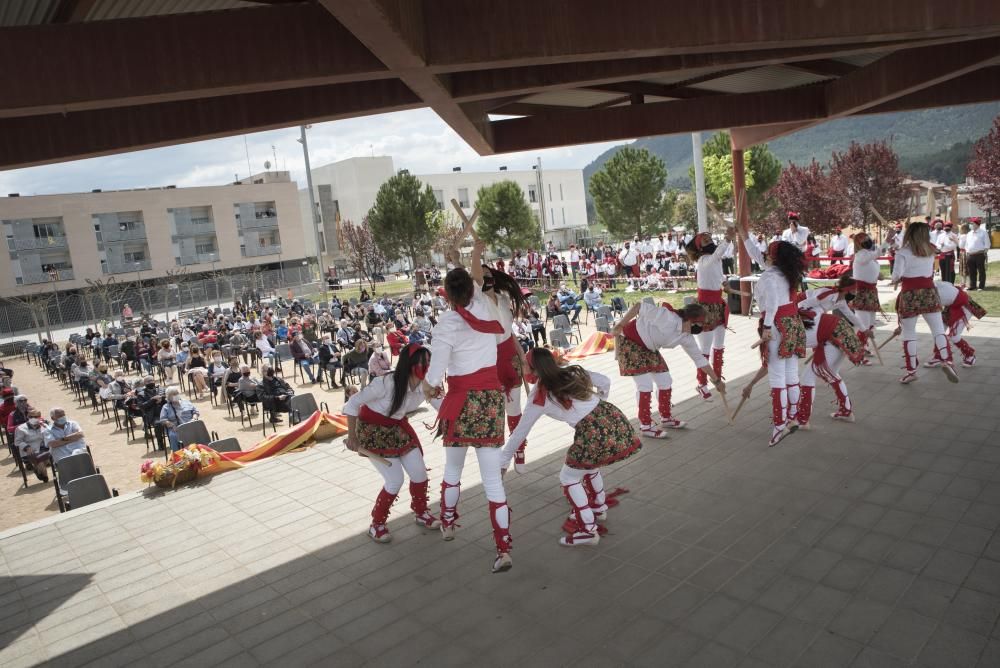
x,y
795,234
838,246
947,243
630,260
977,243
574,261
63,436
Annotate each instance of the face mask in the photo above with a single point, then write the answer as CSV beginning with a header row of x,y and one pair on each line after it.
x,y
848,298
709,249
270,374
695,328
33,422
530,376
246,375
60,422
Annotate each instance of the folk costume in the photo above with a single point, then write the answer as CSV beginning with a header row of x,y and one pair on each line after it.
x,y
639,358
712,339
957,309
833,338
865,272
472,414
603,436
392,437
509,369
780,314
919,298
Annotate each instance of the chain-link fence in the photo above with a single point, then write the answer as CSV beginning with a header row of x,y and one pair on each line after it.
x,y
46,311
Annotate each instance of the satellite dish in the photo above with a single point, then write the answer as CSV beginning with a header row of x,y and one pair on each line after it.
x,y
267,164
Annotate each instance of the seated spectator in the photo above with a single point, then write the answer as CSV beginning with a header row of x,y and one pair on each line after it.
x,y
522,331
150,401
304,356
396,340
276,393
176,411
197,368
592,297
247,386
167,358
6,405
537,327
356,361
346,336
207,336
19,415
63,436
217,369
378,363
29,439
329,359
267,351
281,331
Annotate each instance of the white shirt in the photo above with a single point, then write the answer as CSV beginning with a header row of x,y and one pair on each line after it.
x,y
56,433
908,265
947,293
772,292
947,242
709,270
459,349
828,304
264,346
574,256
839,243
592,297
627,256
377,396
799,236
578,409
502,312
658,327
755,250
865,267
670,246
977,240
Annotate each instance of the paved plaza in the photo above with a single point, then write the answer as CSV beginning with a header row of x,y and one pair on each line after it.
x,y
870,544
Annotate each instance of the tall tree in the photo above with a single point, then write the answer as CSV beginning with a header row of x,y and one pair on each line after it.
x,y
808,190
686,212
761,172
985,169
450,233
867,176
630,194
37,305
363,252
399,221
505,219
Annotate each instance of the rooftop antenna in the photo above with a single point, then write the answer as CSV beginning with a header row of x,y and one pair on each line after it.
x,y
247,149
274,154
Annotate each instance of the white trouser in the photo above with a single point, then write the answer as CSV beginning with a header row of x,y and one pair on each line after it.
x,y
714,340
867,319
936,324
512,406
412,462
959,328
834,358
644,382
781,371
489,469
572,481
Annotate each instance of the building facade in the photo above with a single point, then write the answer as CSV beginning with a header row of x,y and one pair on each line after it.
x,y
63,240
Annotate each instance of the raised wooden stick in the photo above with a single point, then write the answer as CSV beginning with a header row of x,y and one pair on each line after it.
x,y
732,418
877,353
883,344
365,452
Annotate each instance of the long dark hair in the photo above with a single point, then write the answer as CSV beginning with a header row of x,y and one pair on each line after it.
x,y
564,382
790,261
401,376
505,283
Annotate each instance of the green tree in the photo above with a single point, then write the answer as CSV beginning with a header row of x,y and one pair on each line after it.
x,y
761,173
399,221
505,219
630,194
686,212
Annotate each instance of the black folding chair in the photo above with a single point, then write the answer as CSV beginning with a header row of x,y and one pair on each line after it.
x,y
87,490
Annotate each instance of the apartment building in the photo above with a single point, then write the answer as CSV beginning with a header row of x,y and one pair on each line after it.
x,y
63,240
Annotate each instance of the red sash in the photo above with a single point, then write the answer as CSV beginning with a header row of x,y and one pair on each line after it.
x,y
542,395
789,310
710,296
867,286
917,283
481,326
460,386
956,312
505,364
372,417
631,333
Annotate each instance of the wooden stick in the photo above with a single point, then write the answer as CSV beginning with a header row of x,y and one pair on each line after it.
x,y
725,405
877,353
883,344
758,343
732,418
365,452
809,359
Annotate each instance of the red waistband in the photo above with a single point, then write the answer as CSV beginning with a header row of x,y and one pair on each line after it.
x,y
459,388
710,296
631,332
372,417
825,328
506,373
786,310
917,283
865,284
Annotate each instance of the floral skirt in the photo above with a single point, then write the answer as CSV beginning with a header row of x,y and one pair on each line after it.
x,y
911,303
716,315
385,441
481,423
845,338
866,299
971,306
603,437
793,336
635,359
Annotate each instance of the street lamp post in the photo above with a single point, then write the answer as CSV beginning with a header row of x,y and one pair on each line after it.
x,y
312,208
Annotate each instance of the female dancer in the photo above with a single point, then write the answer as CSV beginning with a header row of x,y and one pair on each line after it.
x,y
914,272
603,436
958,308
464,346
642,331
832,338
708,256
505,295
865,270
376,421
776,292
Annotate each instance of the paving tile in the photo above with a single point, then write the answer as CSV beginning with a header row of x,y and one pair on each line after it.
x,y
813,564
820,605
985,576
949,566
928,597
713,615
973,610
679,603
749,583
673,649
886,585
783,593
873,658
904,634
849,574
951,646
873,546
714,655
785,642
968,539
860,620
747,628
829,651
909,556
842,538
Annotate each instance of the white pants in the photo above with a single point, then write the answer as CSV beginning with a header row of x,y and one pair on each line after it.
x,y
572,482
714,340
644,382
867,319
489,469
936,324
781,371
412,462
512,406
959,328
834,358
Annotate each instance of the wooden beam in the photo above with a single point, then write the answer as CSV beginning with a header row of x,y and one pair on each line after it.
x,y
824,67
529,109
476,34
72,11
394,32
39,140
106,64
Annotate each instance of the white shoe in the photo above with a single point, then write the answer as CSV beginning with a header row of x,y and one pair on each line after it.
x,y
652,432
949,371
933,363
519,462
705,393
910,377
843,416
969,362
777,433
502,563
580,538
379,533
426,520
670,423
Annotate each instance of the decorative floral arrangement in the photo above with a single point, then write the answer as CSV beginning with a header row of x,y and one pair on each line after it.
x,y
183,467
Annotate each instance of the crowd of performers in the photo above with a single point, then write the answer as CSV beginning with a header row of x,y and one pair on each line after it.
x,y
474,350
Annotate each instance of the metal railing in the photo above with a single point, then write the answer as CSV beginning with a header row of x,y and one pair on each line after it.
x,y
201,258
260,251
112,236
39,243
35,277
197,226
127,267
257,223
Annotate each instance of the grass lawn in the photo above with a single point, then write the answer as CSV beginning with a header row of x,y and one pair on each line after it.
x,y
395,288
989,298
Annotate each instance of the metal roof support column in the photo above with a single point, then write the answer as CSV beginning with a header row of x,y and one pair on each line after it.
x,y
742,215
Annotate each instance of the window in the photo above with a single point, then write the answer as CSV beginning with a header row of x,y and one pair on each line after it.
x,y
439,198
127,225
134,256
463,198
205,248
47,230
532,195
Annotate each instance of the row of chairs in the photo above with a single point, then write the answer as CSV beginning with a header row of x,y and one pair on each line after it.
x,y
78,482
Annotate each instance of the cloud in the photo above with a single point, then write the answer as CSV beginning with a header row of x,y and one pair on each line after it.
x,y
417,140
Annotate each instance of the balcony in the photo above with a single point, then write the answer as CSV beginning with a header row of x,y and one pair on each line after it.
x,y
202,258
258,223
40,243
128,267
260,251
197,227
33,278
112,236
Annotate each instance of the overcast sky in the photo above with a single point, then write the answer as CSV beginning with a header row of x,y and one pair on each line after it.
x,y
417,140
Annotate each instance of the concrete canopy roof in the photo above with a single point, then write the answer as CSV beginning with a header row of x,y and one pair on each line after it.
x,y
94,77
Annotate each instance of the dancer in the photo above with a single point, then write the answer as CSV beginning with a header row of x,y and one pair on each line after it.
x,y
603,436
708,256
913,271
505,295
776,291
865,271
642,331
832,339
376,421
464,345
957,309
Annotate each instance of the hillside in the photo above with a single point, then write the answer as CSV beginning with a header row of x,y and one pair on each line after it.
x,y
925,140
